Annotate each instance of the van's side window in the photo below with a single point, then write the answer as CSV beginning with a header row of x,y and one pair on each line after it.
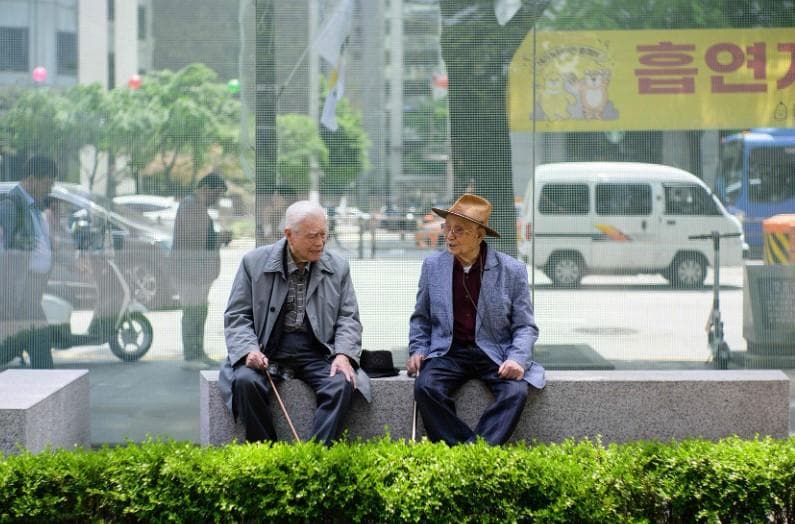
x,y
689,199
623,199
563,199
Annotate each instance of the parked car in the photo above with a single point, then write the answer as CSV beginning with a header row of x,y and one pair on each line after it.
x,y
141,248
160,209
429,233
393,219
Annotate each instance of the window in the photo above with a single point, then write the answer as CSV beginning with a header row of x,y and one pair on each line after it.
x,y
66,53
141,22
14,43
623,199
731,170
689,199
771,174
563,199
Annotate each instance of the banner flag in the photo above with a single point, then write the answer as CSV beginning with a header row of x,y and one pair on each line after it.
x,y
653,80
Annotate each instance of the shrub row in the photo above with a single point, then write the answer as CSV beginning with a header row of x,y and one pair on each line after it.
x,y
732,480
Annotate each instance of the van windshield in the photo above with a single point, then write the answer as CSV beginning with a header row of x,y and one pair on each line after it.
x,y
731,169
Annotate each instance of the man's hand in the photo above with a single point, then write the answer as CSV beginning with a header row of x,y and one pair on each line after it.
x,y
413,364
341,364
257,360
511,370
224,237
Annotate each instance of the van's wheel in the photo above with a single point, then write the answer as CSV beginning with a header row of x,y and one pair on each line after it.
x,y
133,338
565,270
688,270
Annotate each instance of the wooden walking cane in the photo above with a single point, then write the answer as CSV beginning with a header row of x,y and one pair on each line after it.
x,y
281,405
414,418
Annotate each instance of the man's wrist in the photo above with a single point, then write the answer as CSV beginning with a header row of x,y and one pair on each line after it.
x,y
351,361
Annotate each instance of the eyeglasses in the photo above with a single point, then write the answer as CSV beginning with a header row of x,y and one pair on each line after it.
x,y
316,236
456,230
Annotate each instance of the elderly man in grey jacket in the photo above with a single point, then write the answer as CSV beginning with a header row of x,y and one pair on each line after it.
x,y
293,311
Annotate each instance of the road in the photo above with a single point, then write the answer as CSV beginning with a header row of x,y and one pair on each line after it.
x,y
631,321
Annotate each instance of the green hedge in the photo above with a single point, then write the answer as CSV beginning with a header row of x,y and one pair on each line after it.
x,y
690,481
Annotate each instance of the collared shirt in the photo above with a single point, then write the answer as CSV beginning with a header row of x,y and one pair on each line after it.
x,y
41,256
466,291
295,305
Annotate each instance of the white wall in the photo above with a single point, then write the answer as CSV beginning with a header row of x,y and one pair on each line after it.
x,y
125,40
92,41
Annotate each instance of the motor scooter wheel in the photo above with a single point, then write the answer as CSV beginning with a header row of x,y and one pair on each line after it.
x,y
132,338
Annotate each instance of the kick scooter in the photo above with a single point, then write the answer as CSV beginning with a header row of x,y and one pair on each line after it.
x,y
719,349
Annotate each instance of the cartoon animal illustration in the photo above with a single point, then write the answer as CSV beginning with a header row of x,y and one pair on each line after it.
x,y
592,88
553,97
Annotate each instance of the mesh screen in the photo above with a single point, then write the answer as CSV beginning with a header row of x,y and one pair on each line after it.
x,y
604,134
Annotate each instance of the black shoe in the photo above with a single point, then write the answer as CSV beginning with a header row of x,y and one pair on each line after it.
x,y
200,362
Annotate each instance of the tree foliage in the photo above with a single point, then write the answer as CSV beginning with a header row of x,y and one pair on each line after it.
x,y
347,150
172,114
299,146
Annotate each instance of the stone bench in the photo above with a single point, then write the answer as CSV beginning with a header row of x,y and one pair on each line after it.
x,y
619,406
44,407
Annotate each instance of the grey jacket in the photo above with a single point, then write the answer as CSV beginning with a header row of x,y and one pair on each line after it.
x,y
505,327
256,299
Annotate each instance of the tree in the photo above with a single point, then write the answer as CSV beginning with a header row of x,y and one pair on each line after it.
x,y
90,116
667,14
133,129
299,144
477,52
347,150
426,150
39,121
198,112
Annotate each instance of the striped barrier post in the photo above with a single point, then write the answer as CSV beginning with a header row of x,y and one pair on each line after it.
x,y
779,239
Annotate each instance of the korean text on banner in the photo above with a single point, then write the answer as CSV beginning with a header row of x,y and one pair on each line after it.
x,y
653,79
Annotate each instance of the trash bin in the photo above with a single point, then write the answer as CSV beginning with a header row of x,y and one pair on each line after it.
x,y
779,239
769,309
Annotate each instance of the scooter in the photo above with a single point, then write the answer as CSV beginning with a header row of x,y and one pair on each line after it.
x,y
719,349
118,319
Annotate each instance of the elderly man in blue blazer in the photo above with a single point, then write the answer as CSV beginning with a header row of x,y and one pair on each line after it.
x,y
292,311
473,319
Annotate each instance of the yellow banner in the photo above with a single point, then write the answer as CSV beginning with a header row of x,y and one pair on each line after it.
x,y
654,79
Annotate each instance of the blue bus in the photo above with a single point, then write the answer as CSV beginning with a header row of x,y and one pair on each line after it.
x,y
756,179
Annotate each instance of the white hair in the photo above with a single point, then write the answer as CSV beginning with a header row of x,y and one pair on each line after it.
x,y
300,211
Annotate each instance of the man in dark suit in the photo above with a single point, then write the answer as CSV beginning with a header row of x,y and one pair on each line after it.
x,y
197,263
26,257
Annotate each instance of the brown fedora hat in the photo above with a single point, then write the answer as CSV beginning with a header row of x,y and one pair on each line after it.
x,y
470,207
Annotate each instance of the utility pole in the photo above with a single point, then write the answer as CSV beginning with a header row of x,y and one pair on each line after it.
x,y
265,109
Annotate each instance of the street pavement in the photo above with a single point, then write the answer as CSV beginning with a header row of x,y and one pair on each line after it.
x,y
633,322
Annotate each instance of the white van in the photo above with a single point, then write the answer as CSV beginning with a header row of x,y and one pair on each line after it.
x,y
623,218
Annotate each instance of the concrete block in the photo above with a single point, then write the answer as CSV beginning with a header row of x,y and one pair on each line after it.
x,y
619,406
44,407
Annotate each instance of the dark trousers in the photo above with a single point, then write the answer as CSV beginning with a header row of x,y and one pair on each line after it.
x,y
193,320
308,363
441,377
29,331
